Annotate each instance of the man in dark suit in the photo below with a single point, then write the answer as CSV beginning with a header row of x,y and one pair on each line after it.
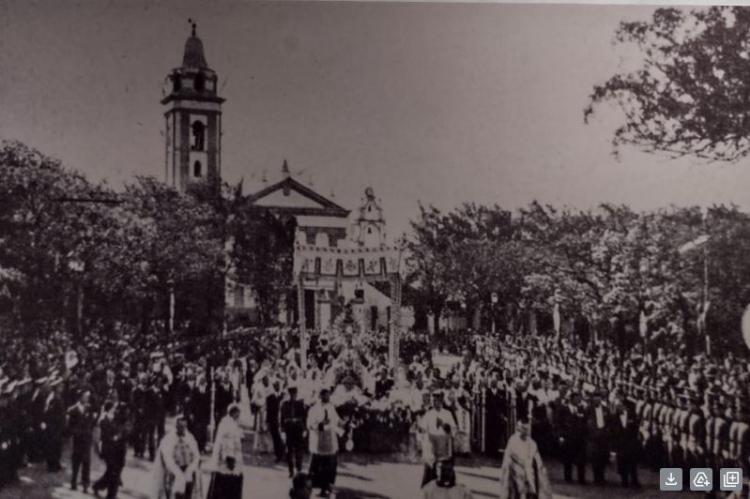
x,y
81,422
598,436
293,419
113,436
273,403
572,437
626,442
157,414
53,425
35,423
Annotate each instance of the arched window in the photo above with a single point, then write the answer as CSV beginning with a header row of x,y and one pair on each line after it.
x,y
200,82
199,136
197,169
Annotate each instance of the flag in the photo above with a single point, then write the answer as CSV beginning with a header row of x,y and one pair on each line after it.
x,y
695,243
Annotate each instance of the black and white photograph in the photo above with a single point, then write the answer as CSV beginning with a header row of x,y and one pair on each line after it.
x,y
369,250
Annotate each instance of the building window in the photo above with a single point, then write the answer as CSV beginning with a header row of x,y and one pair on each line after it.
x,y
200,82
197,169
199,136
176,83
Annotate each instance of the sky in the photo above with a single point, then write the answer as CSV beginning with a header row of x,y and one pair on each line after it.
x,y
433,103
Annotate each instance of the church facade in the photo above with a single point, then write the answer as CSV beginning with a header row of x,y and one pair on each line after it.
x,y
193,112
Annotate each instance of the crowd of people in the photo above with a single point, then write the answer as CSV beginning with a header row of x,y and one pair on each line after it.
x,y
445,397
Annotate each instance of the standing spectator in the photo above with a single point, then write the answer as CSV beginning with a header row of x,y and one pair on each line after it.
x,y
626,443
273,403
53,422
81,422
112,451
598,437
293,426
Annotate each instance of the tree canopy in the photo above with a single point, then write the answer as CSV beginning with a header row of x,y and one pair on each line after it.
x,y
690,94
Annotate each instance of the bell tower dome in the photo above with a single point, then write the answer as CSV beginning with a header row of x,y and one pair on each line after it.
x,y
192,120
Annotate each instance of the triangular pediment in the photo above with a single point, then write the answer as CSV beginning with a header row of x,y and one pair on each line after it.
x,y
289,195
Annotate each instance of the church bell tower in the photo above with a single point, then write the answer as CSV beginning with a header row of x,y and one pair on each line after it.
x,y
193,121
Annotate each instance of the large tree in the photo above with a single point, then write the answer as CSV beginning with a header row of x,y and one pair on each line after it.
x,y
690,94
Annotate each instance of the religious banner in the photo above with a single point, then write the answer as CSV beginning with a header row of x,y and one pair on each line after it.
x,y
328,265
351,266
347,262
372,264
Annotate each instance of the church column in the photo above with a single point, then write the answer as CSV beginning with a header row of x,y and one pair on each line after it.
x,y
325,311
395,331
302,320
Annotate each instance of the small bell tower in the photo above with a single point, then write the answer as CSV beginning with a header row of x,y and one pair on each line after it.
x,y
192,120
369,226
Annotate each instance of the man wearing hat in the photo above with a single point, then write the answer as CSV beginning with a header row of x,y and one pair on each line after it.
x,y
293,426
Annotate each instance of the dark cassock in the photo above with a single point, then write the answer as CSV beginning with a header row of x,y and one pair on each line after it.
x,y
141,406
201,414
273,403
626,443
324,426
292,416
53,424
81,422
496,403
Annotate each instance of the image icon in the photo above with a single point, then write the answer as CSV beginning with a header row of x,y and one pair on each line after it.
x,y
731,479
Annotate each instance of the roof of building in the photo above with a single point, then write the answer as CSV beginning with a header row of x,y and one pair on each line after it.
x,y
324,205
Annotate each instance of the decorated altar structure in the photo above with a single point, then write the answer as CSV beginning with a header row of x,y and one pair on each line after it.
x,y
327,272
